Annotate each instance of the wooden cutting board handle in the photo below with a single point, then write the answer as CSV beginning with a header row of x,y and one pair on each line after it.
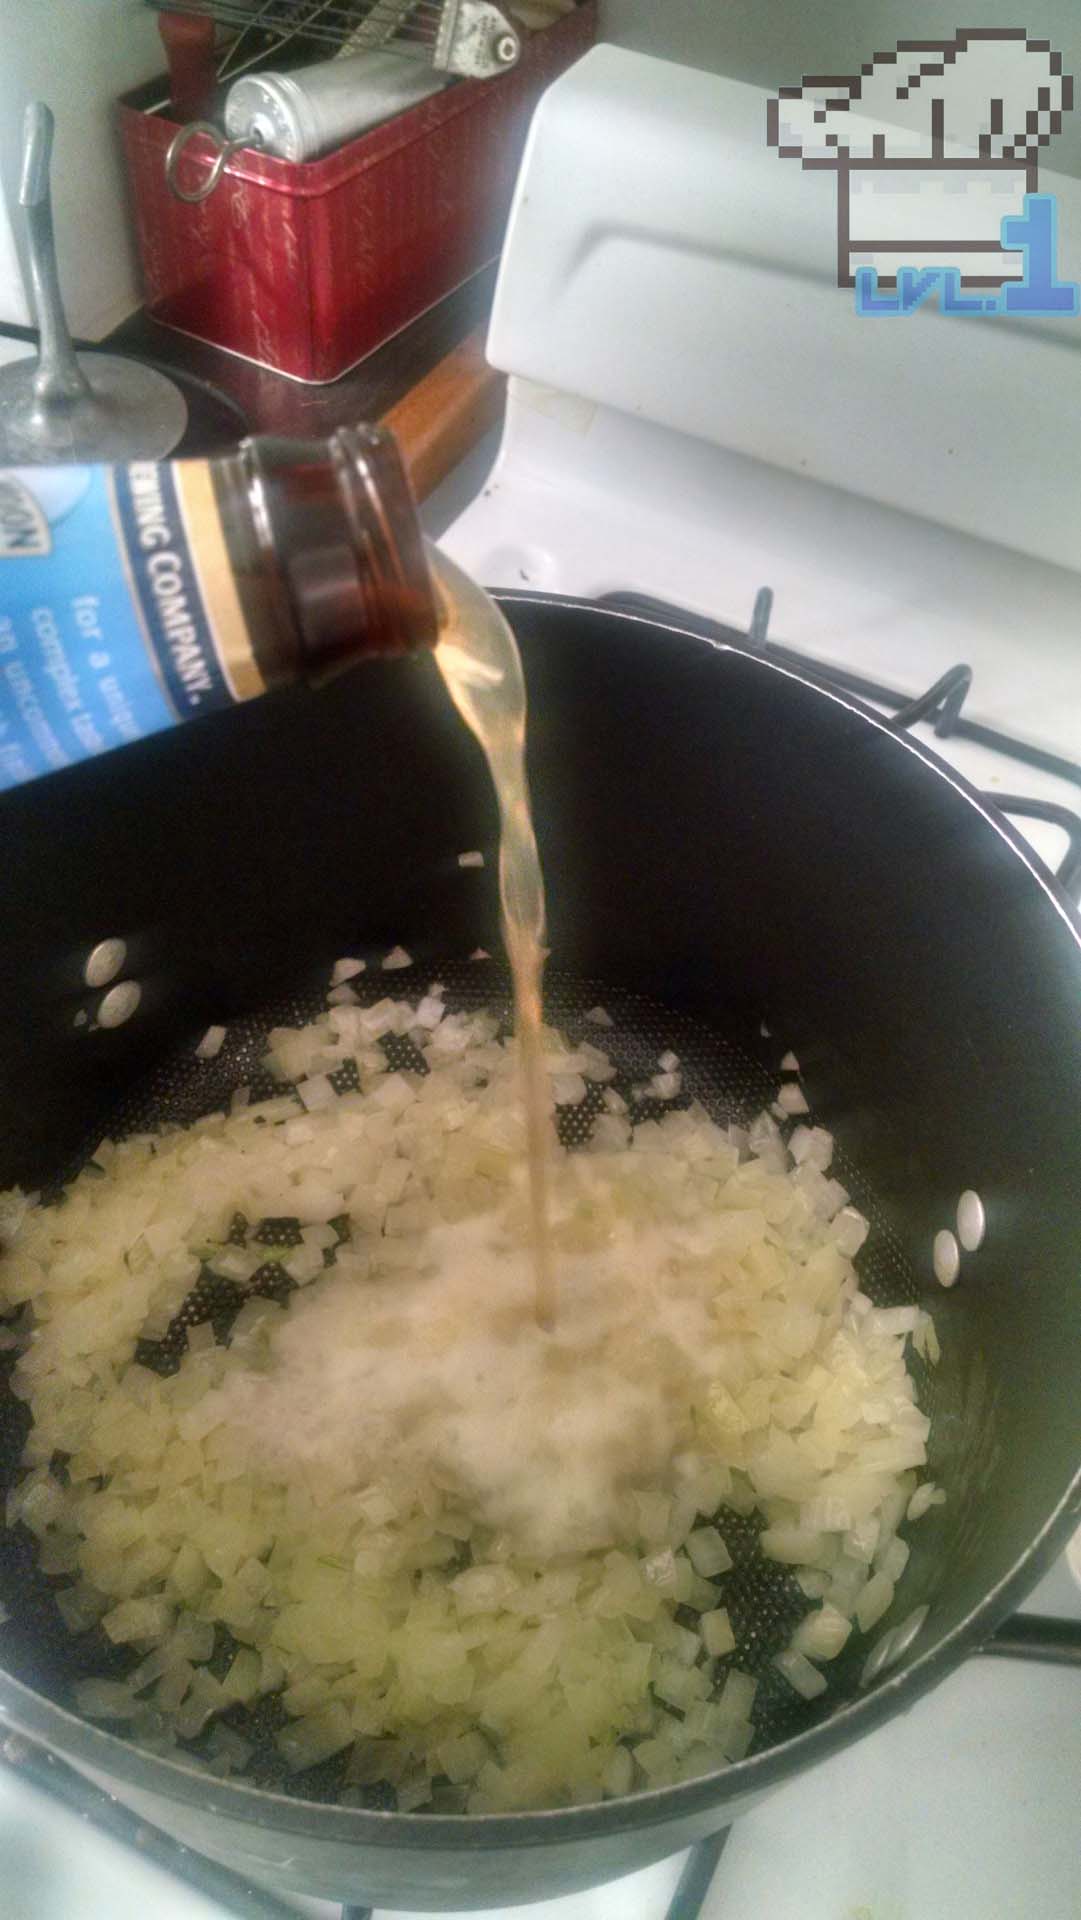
x,y
439,420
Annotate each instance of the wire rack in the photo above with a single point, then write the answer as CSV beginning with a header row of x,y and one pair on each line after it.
x,y
350,26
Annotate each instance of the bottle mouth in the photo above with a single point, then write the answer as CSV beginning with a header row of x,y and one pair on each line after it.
x,y
398,586
336,525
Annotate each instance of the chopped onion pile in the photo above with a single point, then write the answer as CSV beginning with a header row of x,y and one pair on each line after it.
x,y
455,1546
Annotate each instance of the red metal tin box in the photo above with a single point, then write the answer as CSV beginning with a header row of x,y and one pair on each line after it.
x,y
307,267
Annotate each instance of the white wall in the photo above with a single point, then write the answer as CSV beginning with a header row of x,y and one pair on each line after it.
x,y
773,43
76,55
79,54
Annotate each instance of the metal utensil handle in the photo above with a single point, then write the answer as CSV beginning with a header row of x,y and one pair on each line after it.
x,y
226,150
58,380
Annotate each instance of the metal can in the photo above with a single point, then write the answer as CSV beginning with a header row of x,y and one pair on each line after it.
x,y
300,115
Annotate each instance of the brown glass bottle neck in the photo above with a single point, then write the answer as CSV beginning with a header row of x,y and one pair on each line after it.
x,y
327,552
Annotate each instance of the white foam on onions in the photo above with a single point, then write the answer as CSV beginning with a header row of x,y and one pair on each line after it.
x,y
443,1369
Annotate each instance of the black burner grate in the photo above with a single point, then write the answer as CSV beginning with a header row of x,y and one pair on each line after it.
x,y
942,705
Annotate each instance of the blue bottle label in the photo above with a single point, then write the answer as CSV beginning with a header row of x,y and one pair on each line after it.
x,y
119,613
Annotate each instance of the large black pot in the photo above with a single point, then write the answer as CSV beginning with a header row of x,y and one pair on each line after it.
x,y
726,837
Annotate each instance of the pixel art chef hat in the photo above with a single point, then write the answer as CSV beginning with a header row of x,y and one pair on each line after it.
x,y
989,93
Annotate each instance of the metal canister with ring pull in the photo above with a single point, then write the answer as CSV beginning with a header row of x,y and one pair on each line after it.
x,y
298,116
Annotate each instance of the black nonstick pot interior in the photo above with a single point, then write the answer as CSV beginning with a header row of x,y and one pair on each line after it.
x,y
738,864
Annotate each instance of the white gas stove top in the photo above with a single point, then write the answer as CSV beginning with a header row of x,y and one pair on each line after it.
x,y
970,1805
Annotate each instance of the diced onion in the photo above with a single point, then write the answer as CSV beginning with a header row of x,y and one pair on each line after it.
x,y
800,1674
875,1600
737,1694
717,1635
483,1609
821,1634
925,1497
707,1552
791,1099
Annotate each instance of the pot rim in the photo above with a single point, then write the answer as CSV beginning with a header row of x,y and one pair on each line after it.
x,y
25,1711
